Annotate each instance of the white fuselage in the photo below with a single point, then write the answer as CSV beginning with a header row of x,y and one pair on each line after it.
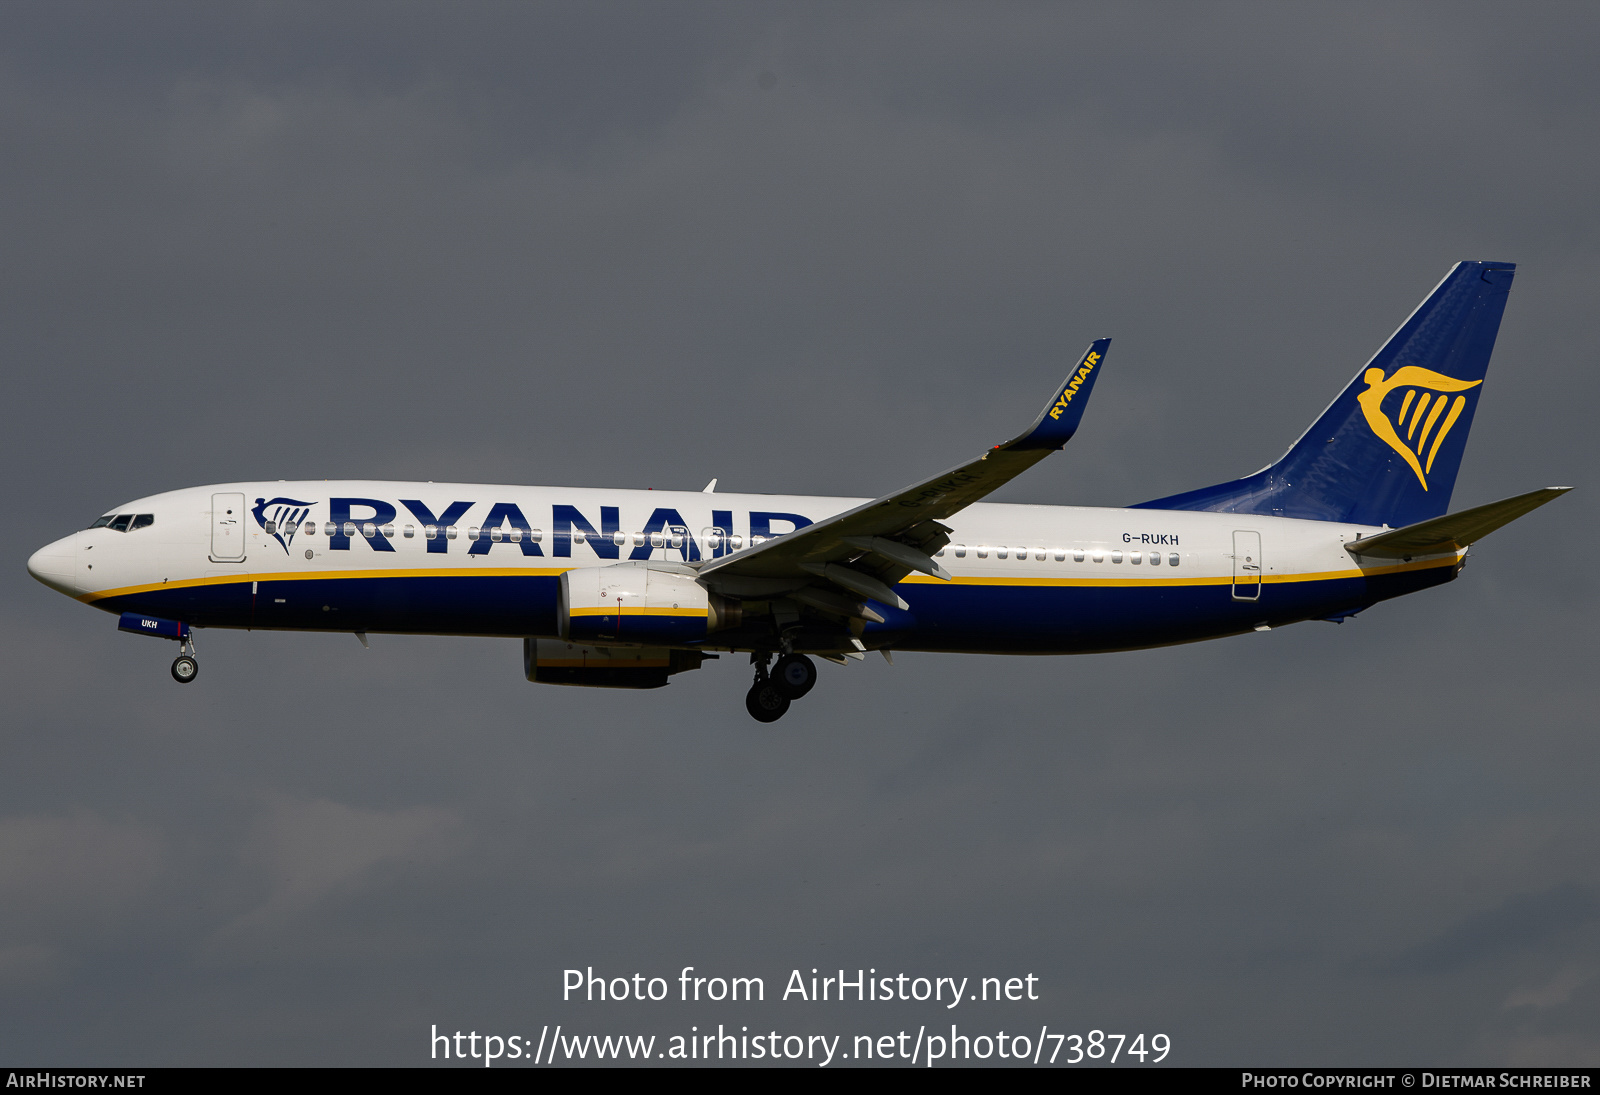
x,y
473,559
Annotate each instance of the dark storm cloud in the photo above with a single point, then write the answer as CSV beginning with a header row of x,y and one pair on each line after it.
x,y
591,244
1520,922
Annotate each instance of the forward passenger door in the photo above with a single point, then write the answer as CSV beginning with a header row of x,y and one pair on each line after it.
x,y
227,528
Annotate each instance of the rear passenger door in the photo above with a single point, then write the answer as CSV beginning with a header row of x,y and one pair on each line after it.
x,y
1246,566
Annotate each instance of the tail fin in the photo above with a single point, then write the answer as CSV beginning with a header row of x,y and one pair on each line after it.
x,y
1388,449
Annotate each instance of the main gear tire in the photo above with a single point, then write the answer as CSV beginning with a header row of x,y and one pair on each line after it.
x,y
795,675
765,702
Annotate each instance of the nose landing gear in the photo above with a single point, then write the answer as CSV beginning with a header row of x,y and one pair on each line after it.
x,y
769,697
185,667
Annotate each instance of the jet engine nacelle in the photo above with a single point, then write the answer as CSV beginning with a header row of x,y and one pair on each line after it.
x,y
635,604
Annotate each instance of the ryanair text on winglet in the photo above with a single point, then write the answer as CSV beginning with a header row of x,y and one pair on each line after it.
x,y
1072,385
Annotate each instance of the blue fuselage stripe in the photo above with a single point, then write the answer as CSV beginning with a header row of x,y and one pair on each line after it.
x,y
974,618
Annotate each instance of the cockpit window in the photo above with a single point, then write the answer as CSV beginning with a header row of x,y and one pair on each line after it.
x,y
123,522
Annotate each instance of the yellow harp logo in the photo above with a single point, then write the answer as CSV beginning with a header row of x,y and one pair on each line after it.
x,y
1424,404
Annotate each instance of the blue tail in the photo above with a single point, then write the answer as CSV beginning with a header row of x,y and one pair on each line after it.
x,y
1388,449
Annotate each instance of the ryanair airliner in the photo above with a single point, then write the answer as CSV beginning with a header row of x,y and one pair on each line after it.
x,y
623,588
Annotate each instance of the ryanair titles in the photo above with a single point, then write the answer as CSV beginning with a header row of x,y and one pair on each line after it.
x,y
1074,384
506,525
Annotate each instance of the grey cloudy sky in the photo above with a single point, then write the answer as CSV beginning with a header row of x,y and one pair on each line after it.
x,y
589,244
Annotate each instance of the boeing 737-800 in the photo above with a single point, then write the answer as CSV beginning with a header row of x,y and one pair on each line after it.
x,y
623,588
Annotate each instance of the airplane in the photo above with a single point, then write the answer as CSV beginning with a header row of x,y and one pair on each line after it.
x,y
625,588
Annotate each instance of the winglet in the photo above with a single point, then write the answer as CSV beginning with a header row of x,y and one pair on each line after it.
x,y
1059,420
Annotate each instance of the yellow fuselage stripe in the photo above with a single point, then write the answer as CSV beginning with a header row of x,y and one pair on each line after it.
x,y
1219,580
914,579
635,612
331,575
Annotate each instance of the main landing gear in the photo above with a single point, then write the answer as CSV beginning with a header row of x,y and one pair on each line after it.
x,y
769,697
184,667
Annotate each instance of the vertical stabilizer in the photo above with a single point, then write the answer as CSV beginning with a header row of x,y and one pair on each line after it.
x,y
1388,449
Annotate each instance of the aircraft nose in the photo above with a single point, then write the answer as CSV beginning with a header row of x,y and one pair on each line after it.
x,y
56,565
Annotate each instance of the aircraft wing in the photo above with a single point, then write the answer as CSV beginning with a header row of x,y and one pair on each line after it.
x,y
866,550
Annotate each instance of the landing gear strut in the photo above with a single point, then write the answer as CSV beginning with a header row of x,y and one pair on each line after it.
x,y
769,697
765,701
184,667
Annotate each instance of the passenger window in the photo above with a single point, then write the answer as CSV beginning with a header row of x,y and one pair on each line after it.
x,y
1135,557
1061,555
1116,556
368,529
102,522
1172,560
144,520
738,542
388,532
1038,554
1077,555
309,528
271,527
1000,552
410,532
515,535
290,527
534,535
329,528
450,532
577,536
961,551
120,522
430,532
939,554
495,535
1099,556
983,551
349,528
1155,558
472,532
619,538
657,540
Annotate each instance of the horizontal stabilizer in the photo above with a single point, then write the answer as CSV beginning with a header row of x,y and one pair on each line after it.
x,y
1453,531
